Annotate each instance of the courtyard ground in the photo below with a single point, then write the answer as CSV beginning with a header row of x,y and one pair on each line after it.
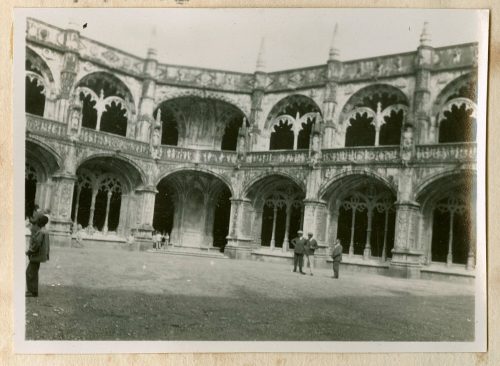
x,y
113,294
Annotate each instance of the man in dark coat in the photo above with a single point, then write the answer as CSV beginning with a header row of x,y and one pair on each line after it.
x,y
311,246
337,258
299,244
37,253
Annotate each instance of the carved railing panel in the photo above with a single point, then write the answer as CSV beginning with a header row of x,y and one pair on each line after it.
x,y
174,153
375,67
463,151
372,154
455,56
207,78
296,79
114,142
44,126
278,157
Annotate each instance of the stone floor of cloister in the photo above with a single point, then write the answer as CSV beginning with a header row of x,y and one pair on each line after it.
x,y
94,293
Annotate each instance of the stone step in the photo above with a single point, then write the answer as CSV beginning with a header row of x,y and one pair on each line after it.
x,y
194,252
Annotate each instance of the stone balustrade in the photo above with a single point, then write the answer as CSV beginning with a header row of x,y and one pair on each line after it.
x,y
442,153
114,142
175,153
278,157
449,152
43,126
372,154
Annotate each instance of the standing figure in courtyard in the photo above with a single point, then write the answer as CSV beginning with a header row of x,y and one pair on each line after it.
x,y
311,246
38,252
299,244
337,258
79,236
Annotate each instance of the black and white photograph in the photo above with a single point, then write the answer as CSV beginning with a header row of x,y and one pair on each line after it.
x,y
219,180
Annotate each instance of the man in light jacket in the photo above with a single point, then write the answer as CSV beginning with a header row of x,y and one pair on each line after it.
x,y
311,246
337,258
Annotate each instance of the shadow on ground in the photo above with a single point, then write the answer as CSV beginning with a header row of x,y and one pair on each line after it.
x,y
77,313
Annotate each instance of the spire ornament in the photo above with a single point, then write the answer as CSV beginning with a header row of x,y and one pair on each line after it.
x,y
425,37
334,52
261,58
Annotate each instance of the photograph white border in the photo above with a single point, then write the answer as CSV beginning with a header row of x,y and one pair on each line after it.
x,y
78,347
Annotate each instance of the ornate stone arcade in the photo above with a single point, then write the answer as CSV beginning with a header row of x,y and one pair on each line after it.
x,y
378,152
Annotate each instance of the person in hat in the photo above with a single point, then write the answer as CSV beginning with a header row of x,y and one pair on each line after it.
x,y
298,244
37,253
311,246
337,258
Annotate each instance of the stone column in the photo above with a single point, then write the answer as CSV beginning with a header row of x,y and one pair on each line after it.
x,y
273,235
334,72
95,190
421,97
315,215
60,215
77,204
68,71
239,243
367,253
146,206
145,120
108,199
406,258
285,245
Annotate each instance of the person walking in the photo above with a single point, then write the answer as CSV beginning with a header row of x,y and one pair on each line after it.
x,y
298,252
337,258
38,252
311,246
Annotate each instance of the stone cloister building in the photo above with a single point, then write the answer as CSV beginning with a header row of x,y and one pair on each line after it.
x,y
378,152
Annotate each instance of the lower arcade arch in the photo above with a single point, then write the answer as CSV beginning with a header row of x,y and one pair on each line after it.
x,y
448,220
277,210
103,195
40,165
361,213
194,209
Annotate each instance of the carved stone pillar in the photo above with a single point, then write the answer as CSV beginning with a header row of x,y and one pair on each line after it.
x,y
68,72
315,216
239,241
60,215
146,108
406,257
146,205
421,97
334,72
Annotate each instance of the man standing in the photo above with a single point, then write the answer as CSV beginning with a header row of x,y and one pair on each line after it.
x,y
37,253
298,253
337,258
311,246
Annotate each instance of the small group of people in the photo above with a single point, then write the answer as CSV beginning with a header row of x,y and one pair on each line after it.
x,y
38,249
160,240
306,247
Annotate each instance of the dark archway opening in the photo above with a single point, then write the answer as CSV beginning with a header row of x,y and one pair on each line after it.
x,y
361,132
230,137
461,232
35,98
163,219
114,120
390,132
29,194
89,113
304,137
267,225
83,205
221,219
457,125
282,137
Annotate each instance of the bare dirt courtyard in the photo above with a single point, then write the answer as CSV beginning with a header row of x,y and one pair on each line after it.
x,y
112,294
